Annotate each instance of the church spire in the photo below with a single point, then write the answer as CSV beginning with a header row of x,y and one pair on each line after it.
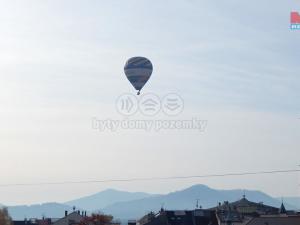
x,y
282,208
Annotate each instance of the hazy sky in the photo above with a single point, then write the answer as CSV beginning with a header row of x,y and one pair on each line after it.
x,y
235,64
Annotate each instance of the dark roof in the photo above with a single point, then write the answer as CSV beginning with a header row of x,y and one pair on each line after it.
x,y
179,217
183,217
22,222
292,220
191,217
72,213
229,216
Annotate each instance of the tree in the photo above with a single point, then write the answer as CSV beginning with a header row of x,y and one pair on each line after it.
x,y
4,217
97,219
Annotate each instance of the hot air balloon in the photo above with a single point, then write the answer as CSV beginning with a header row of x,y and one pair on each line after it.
x,y
138,71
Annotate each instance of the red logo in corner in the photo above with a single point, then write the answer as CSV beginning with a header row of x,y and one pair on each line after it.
x,y
295,21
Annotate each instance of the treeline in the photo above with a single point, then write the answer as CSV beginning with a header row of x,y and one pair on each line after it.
x,y
5,219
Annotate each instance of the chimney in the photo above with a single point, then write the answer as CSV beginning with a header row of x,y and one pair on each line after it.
x,y
66,213
85,213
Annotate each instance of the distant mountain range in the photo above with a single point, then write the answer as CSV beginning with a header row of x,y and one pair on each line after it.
x,y
102,199
186,199
53,210
130,205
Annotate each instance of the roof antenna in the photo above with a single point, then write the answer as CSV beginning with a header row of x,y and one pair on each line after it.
x,y
162,207
197,204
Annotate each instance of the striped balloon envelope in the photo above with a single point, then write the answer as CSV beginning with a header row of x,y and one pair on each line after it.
x,y
138,70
